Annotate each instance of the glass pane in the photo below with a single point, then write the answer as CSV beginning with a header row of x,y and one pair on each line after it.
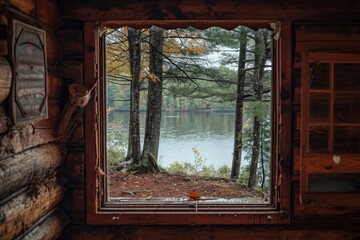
x,y
347,108
346,139
346,76
319,75
318,139
339,182
319,107
187,142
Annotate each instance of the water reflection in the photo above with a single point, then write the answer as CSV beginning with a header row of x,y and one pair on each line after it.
x,y
210,132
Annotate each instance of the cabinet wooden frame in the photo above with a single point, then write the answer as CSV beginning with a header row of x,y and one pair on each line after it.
x,y
98,211
312,163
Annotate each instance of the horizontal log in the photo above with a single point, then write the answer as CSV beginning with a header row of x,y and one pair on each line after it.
x,y
5,71
23,168
22,211
18,140
49,13
50,228
72,71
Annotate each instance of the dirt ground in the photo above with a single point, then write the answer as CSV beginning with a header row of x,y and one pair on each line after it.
x,y
147,185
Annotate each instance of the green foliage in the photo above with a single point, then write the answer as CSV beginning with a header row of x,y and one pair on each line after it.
x,y
176,167
224,171
198,161
116,146
261,110
208,171
199,168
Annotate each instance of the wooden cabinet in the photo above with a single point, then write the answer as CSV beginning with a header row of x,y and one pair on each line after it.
x,y
330,123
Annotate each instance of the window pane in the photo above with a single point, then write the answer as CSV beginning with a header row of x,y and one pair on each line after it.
x,y
347,108
319,107
346,76
198,78
318,139
319,75
336,183
346,139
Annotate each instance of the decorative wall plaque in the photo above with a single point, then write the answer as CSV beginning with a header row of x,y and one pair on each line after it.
x,y
29,90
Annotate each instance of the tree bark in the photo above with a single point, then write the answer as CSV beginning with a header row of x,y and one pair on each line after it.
x,y
154,102
135,68
236,162
259,71
254,155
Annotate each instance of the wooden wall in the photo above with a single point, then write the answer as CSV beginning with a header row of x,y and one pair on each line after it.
x,y
36,173
323,216
31,185
331,38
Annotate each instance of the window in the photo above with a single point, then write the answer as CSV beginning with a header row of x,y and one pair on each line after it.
x,y
330,123
104,210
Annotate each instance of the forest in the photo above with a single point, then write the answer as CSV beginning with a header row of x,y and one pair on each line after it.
x,y
155,70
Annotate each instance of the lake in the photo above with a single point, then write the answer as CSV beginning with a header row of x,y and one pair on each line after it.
x,y
211,133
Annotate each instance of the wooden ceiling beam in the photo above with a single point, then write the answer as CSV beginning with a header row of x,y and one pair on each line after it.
x,y
202,12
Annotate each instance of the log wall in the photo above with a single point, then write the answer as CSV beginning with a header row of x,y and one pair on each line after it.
x,y
32,186
42,183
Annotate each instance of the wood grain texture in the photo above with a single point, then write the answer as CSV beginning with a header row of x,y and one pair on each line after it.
x,y
50,228
55,84
199,10
295,232
54,113
23,168
16,140
90,61
22,211
49,13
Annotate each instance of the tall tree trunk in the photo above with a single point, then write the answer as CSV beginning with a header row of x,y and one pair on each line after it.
x,y
154,102
259,71
254,154
236,162
134,122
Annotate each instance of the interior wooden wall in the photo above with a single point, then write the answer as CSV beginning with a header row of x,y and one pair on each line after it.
x,y
323,216
31,186
36,184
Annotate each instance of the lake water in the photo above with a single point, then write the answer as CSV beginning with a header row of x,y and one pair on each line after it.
x,y
211,133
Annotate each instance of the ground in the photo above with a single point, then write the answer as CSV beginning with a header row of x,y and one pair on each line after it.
x,y
147,185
